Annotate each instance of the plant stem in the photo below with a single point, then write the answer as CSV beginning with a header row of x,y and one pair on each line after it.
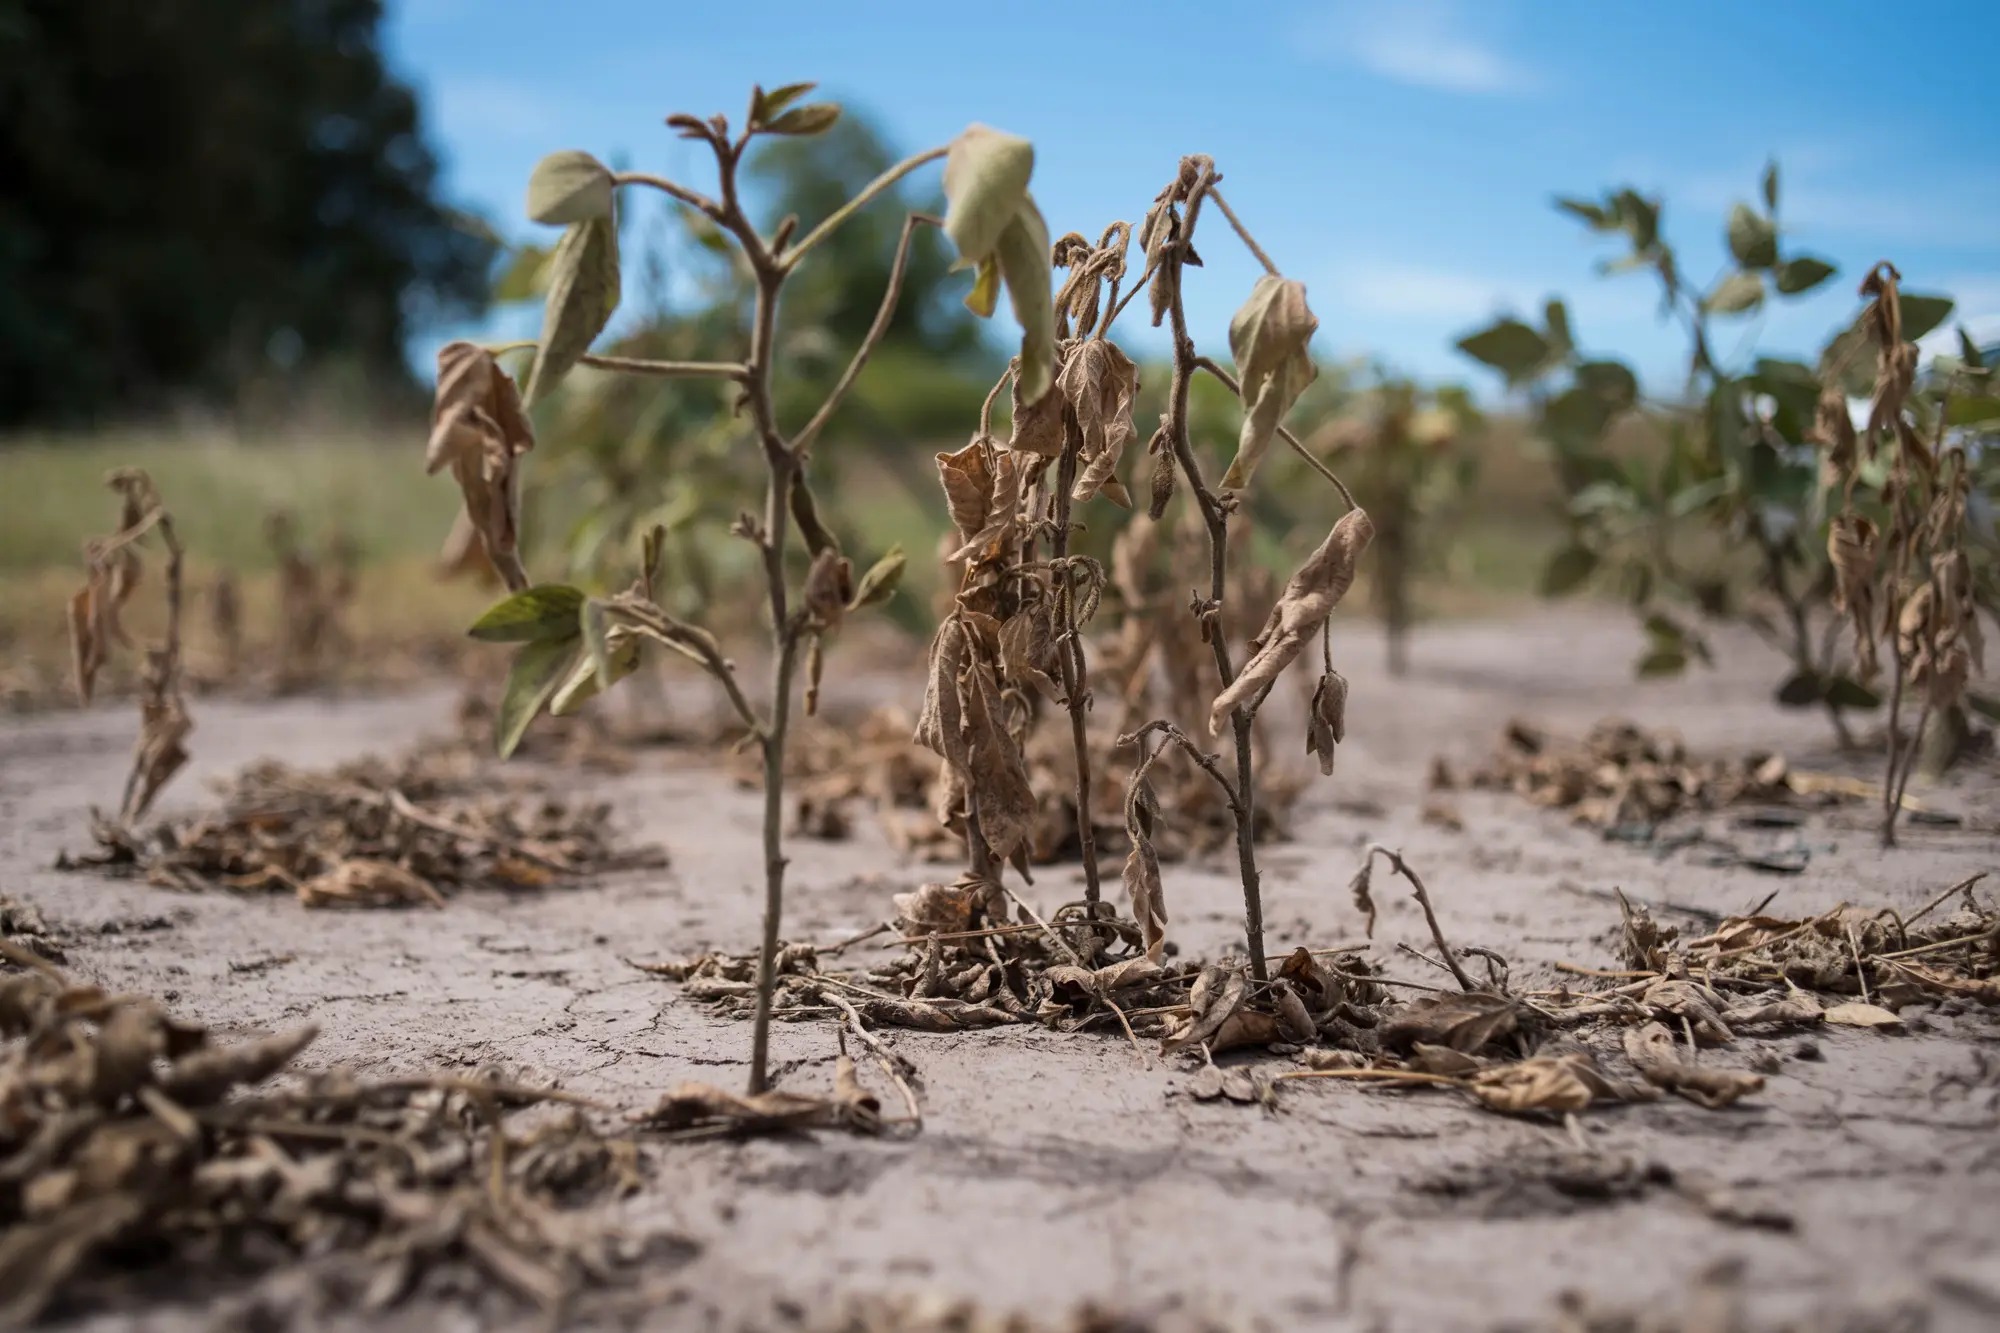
x,y
876,331
678,370
1216,520
791,257
1069,651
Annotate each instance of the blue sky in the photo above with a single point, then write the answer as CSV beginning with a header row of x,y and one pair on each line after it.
x,y
1398,158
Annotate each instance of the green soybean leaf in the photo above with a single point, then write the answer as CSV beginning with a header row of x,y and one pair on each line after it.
x,y
1771,186
1803,274
525,276
545,611
767,106
986,176
1752,238
880,582
1662,662
1598,218
581,685
538,668
1921,314
1801,689
1567,569
570,187
583,294
1023,255
1510,347
1735,295
1844,692
812,118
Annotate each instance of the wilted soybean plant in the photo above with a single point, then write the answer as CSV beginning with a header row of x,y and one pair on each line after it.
x,y
1084,428
574,645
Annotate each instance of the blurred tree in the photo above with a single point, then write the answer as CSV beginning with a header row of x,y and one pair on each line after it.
x,y
200,197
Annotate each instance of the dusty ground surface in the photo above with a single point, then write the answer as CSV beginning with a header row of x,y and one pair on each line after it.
x,y
1055,1169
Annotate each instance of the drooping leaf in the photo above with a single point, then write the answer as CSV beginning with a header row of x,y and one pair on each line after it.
x,y
545,611
1510,347
986,174
583,294
1801,689
1099,381
581,684
1771,186
1803,274
1023,255
880,582
1735,295
570,187
1599,218
1308,600
1268,338
1662,662
538,669
525,276
1845,692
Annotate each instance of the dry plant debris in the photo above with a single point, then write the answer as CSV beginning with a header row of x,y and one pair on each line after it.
x,y
131,1140
115,571
1622,776
372,833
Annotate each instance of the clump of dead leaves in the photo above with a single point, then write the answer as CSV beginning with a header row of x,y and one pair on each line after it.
x,y
133,1140
1881,959
1623,776
371,833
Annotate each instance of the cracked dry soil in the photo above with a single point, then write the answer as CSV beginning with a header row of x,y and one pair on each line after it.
x,y
1053,1169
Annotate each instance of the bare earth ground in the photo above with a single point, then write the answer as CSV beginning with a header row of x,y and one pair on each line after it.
x,y
1054,1169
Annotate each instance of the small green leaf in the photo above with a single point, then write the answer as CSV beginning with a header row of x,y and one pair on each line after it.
x,y
1567,569
1752,238
768,105
880,582
1921,314
1510,347
538,668
812,118
581,684
595,623
570,187
1771,186
1971,409
545,611
1662,662
1803,274
1596,216
1802,689
1968,351
1023,255
1843,692
1735,294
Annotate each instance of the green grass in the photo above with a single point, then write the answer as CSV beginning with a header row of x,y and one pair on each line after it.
x,y
220,491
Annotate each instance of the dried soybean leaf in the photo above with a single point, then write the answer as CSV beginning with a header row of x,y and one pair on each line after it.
x,y
1655,1054
479,429
1099,382
1326,719
1308,600
1467,1023
1268,338
1855,1014
1217,994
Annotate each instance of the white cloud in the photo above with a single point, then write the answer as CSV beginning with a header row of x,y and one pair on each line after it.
x,y
1423,43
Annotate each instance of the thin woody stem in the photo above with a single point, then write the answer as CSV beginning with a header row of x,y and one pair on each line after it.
x,y
790,258
1217,521
679,370
1069,652
699,202
1209,763
1402,867
884,314
1242,232
1298,447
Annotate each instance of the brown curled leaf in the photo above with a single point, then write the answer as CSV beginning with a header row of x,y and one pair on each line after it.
x,y
1326,719
479,431
1099,382
1308,600
1655,1054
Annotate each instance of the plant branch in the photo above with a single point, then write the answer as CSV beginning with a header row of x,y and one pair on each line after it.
x,y
1210,764
876,332
1069,651
699,202
1402,867
1298,447
676,370
1243,232
790,258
